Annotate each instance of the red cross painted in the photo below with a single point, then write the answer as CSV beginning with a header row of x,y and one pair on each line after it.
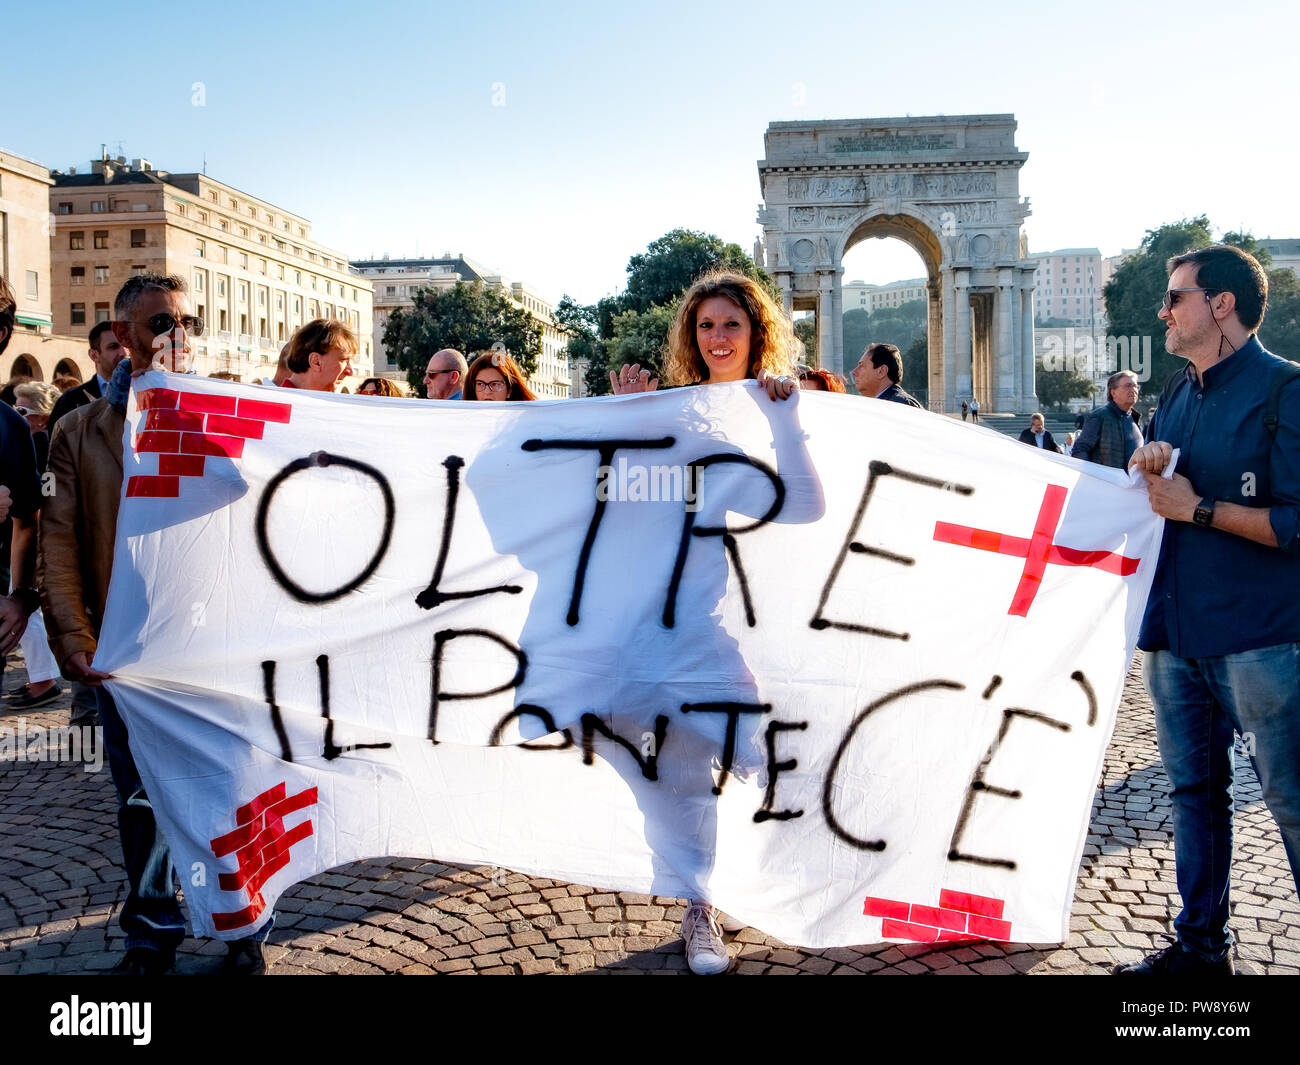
x,y
1037,551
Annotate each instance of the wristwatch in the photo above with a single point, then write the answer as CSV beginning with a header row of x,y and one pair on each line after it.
x,y
1203,515
28,598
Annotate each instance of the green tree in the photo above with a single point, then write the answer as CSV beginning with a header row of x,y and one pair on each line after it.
x,y
1280,332
670,264
916,369
467,317
805,331
641,337
1056,388
856,331
578,324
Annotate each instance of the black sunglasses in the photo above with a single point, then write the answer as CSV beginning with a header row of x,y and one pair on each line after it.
x,y
1173,295
164,323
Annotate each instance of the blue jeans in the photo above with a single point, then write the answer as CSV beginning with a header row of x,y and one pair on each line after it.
x,y
151,917
1199,703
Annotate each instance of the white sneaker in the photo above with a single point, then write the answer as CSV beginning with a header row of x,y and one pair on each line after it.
x,y
705,953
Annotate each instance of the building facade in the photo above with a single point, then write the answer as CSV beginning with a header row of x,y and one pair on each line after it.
x,y
397,280
859,296
1068,287
1285,253
254,272
35,350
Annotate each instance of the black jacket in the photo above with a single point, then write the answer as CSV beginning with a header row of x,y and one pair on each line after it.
x,y
895,394
1027,437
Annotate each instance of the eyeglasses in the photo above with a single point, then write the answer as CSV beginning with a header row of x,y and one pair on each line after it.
x,y
164,323
429,375
489,386
1173,295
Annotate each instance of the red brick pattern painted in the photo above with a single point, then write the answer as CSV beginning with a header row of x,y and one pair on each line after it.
x,y
959,916
183,428
261,847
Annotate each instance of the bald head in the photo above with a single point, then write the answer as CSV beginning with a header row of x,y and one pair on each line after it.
x,y
445,374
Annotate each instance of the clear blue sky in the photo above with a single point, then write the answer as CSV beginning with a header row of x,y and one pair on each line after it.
x,y
380,123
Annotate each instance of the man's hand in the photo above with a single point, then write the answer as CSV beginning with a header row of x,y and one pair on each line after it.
x,y
6,501
1152,458
13,623
78,667
1174,497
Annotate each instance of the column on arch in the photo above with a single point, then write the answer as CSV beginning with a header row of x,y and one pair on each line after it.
x,y
961,354
831,358
1028,386
1005,365
935,378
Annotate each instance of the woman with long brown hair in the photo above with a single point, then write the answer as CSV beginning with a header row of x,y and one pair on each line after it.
x,y
727,329
495,376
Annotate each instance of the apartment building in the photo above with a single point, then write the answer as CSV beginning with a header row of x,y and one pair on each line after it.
x,y
254,271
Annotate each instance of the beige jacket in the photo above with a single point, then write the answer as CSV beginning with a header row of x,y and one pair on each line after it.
x,y
79,526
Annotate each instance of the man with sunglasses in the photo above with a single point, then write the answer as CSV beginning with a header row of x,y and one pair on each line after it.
x,y
444,374
1221,634
79,526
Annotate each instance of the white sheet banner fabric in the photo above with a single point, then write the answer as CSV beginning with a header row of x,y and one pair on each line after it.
x,y
844,668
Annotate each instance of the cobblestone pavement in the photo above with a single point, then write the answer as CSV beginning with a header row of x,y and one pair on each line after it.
x,y
61,883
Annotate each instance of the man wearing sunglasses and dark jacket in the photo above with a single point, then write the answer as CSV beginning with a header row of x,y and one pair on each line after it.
x,y
153,323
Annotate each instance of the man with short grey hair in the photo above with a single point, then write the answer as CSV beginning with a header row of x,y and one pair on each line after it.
x,y
445,374
1110,435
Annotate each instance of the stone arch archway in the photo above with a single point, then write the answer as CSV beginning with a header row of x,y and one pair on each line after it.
x,y
946,185
68,367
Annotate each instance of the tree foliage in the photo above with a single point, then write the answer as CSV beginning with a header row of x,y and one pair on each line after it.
x,y
633,326
916,369
469,317
805,331
1056,388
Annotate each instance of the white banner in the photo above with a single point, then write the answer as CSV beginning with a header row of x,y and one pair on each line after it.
x,y
844,668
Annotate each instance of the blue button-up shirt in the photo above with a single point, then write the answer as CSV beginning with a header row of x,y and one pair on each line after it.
x,y
1216,593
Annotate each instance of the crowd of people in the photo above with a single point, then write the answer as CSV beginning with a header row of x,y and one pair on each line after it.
x,y
1221,631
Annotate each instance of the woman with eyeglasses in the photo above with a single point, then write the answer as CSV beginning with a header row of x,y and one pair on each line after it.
x,y
494,376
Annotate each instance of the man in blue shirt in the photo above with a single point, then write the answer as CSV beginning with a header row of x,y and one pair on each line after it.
x,y
105,353
1221,634
445,374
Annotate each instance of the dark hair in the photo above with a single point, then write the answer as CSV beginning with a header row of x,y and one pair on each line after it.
x,y
1223,268
886,355
505,366
137,286
8,311
319,335
97,331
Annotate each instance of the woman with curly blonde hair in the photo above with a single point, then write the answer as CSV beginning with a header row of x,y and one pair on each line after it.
x,y
494,375
727,329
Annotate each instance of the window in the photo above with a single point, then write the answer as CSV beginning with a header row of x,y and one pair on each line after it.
x,y
78,314
137,238
78,275
96,206
212,195
33,285
203,217
222,322
243,231
77,242
137,270
65,208
279,301
139,207
221,286
198,283
180,208
243,292
101,275
199,249
101,313
223,225
261,297
262,331
327,288
101,239
261,266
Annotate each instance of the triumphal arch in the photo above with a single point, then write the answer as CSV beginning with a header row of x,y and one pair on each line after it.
x,y
947,185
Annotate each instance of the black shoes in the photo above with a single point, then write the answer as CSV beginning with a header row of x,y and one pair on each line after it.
x,y
25,700
244,957
1176,960
142,961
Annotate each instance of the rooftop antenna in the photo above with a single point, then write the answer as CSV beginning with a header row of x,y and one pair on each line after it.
x,y
205,163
